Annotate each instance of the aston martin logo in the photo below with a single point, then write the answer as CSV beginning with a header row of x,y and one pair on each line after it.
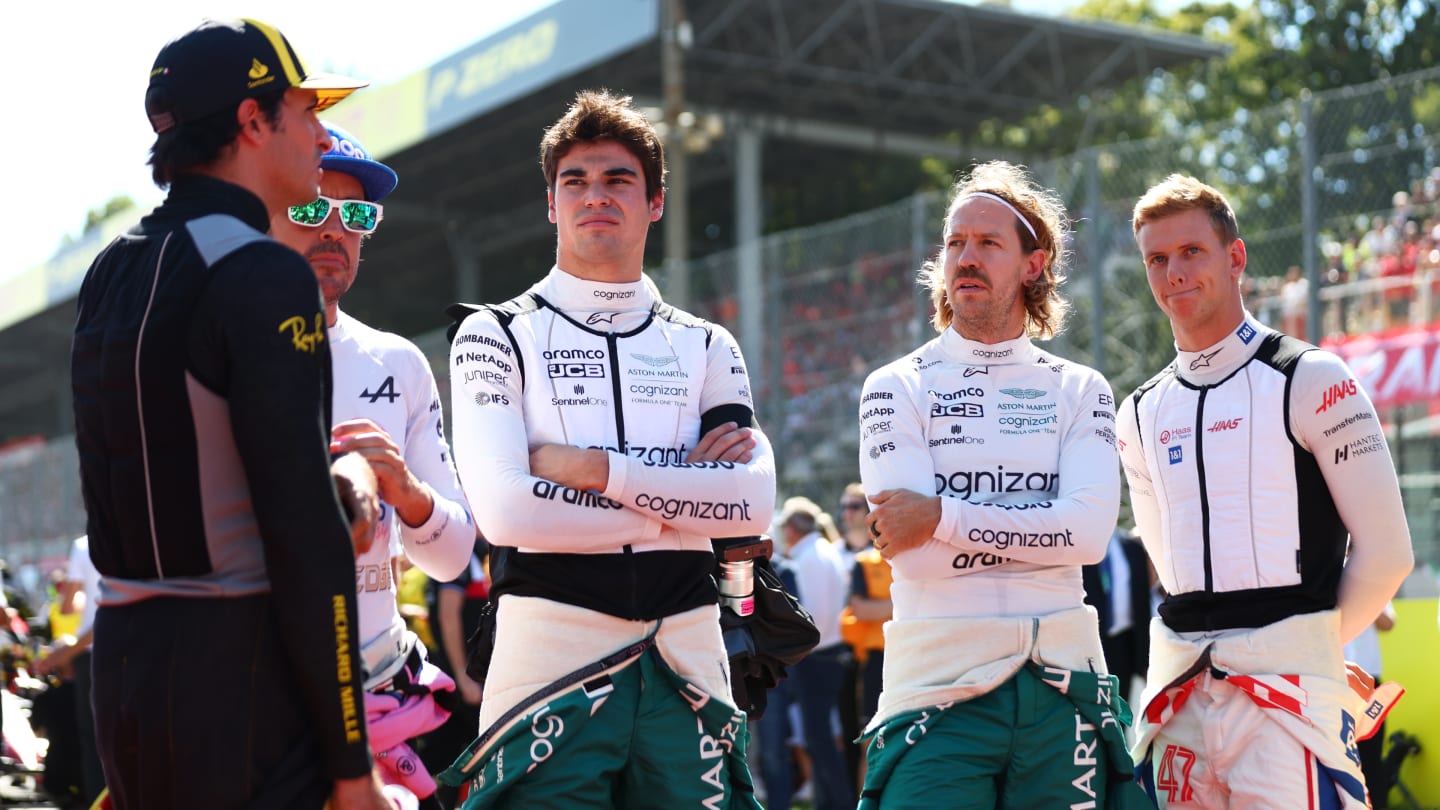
x,y
657,362
1022,393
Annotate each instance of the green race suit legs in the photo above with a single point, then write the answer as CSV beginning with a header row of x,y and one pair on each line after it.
x,y
1025,744
634,736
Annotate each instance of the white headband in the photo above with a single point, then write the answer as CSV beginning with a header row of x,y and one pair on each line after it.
x,y
1016,211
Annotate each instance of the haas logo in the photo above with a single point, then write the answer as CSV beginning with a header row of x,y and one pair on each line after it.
x,y
1225,424
1336,393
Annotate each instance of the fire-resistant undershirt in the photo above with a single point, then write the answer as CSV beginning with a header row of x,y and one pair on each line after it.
x,y
611,366
384,377
1248,463
1020,446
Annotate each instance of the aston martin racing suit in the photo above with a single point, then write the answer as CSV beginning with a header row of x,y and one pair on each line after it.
x,y
989,614
1249,462
585,574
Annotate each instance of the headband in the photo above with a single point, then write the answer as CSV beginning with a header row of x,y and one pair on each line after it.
x,y
1016,211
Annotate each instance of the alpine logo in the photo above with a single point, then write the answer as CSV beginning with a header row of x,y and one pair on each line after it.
x,y
1336,393
386,389
1225,424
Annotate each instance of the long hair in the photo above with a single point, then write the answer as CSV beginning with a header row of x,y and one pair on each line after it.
x,y
1044,308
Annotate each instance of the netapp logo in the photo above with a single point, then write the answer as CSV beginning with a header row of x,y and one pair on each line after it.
x,y
876,412
481,357
573,354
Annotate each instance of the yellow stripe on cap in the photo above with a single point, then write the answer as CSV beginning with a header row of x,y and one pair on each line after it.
x,y
289,60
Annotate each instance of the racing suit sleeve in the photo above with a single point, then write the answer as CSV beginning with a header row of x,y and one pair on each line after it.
x,y
1071,528
1143,503
492,453
262,309
711,499
442,545
1333,418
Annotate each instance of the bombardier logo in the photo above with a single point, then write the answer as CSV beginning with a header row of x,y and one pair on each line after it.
x,y
1225,424
1336,393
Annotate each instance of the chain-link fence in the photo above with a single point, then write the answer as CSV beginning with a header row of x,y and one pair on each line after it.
x,y
1308,177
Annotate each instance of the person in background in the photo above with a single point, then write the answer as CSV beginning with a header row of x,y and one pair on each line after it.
x,y
862,626
812,549
1118,587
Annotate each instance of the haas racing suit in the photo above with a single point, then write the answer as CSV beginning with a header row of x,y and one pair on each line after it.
x,y
1249,462
995,689
605,599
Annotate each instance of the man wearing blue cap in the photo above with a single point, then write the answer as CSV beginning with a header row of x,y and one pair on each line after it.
x,y
387,409
226,666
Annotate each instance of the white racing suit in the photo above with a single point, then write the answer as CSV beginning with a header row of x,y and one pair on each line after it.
x,y
1248,463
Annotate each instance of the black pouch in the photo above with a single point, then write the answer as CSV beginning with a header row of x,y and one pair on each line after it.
x,y
779,633
480,646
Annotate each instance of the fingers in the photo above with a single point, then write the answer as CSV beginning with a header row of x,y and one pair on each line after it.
x,y
883,495
727,442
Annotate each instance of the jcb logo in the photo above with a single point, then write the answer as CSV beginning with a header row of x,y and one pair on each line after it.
x,y
1225,424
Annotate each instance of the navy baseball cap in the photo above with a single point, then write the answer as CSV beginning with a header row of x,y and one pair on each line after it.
x,y
223,62
346,155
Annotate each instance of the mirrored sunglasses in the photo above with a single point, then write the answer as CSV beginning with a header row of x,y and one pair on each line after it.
x,y
358,216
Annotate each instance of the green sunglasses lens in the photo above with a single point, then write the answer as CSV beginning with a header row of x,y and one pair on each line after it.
x,y
359,216
311,213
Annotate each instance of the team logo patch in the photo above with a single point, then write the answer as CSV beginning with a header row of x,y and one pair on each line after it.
x,y
1246,333
1177,455
304,341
